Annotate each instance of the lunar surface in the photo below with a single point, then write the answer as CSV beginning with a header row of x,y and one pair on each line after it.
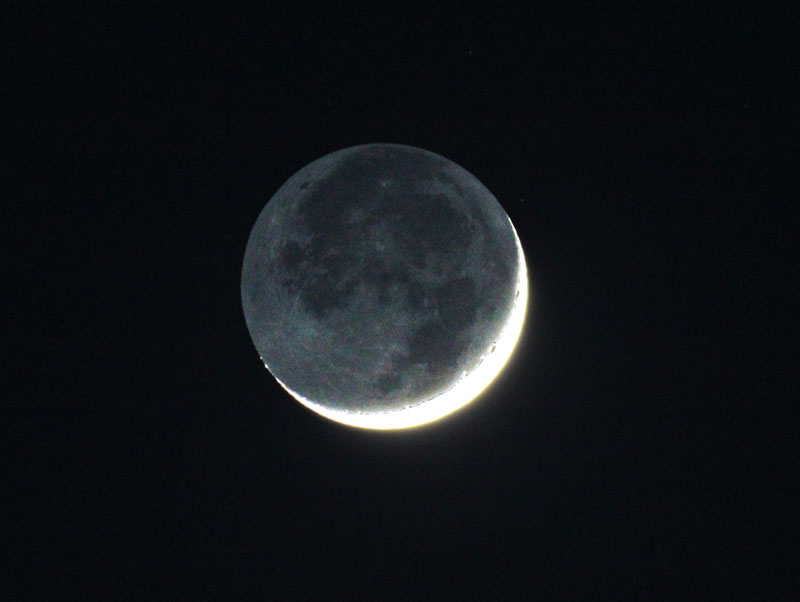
x,y
383,286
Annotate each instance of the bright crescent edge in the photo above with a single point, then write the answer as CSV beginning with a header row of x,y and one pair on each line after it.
x,y
465,390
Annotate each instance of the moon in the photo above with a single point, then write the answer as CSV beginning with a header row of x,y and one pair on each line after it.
x,y
384,286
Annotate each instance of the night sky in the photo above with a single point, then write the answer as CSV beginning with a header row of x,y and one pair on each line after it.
x,y
637,445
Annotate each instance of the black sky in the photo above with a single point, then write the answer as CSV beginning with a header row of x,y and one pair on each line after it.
x,y
637,446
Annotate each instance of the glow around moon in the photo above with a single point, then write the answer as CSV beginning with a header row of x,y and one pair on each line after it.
x,y
459,395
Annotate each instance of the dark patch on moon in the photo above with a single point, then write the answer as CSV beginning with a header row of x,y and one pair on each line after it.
x,y
376,276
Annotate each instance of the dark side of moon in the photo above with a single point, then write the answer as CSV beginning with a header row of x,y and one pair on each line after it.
x,y
377,277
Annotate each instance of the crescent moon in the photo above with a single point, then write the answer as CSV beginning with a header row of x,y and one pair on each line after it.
x,y
384,287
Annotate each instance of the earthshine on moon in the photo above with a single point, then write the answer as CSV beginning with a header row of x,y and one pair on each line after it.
x,y
384,286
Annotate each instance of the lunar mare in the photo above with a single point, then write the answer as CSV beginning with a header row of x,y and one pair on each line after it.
x,y
384,286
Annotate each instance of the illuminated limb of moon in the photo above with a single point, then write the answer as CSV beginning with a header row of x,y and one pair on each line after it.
x,y
467,388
